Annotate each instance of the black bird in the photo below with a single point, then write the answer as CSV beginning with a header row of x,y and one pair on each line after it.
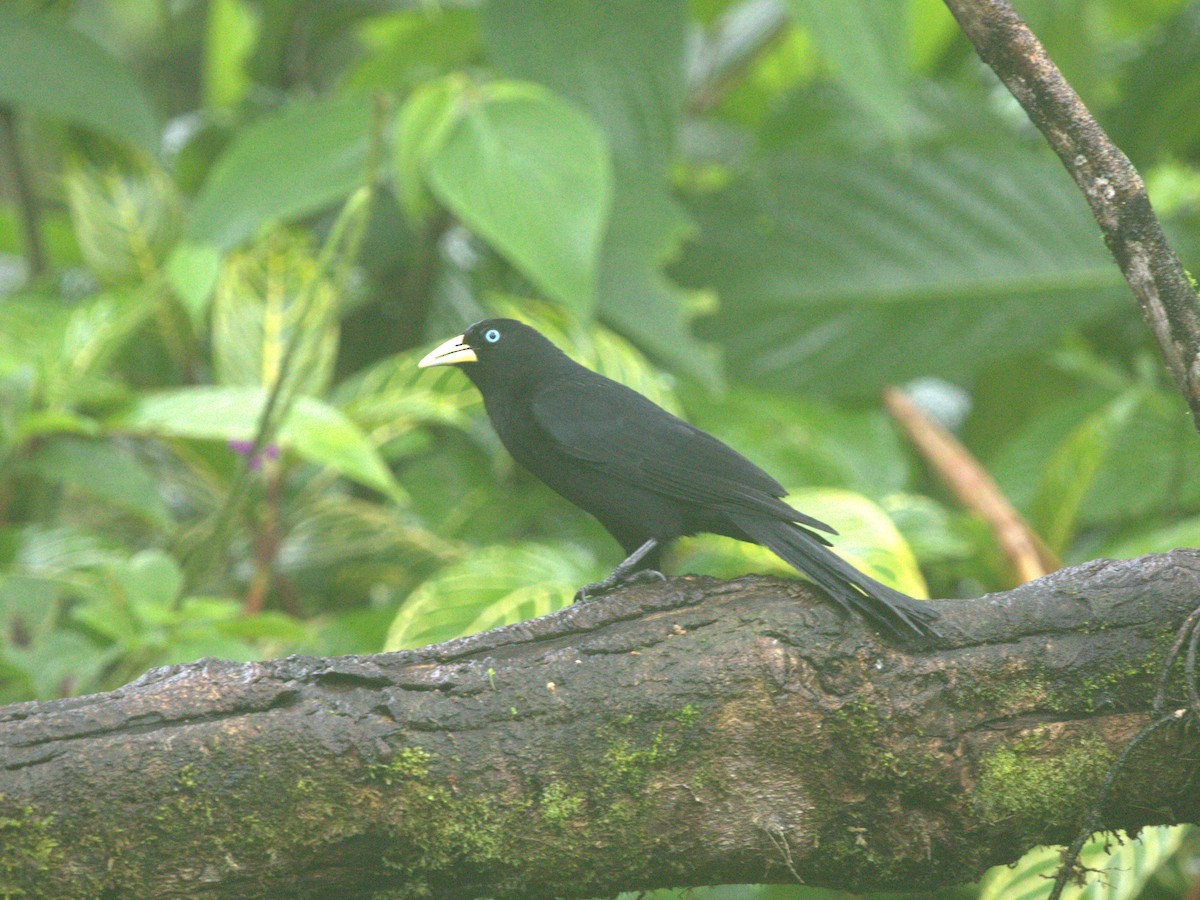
x,y
647,475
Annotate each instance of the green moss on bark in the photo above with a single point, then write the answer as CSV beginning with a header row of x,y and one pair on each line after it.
x,y
1027,784
27,848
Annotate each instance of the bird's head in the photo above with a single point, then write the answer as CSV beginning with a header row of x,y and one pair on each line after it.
x,y
496,351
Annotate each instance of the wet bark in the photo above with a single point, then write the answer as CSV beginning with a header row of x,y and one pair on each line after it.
x,y
693,732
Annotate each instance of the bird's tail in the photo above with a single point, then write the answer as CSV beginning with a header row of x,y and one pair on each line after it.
x,y
894,612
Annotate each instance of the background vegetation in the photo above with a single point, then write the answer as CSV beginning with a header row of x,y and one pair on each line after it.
x,y
229,229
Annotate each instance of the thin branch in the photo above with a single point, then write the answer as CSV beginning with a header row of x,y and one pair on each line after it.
x,y
1028,557
1190,625
1112,186
1094,822
341,247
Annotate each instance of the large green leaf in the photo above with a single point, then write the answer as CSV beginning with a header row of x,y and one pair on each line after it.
x,y
838,274
648,228
623,62
1118,867
1156,113
1071,470
864,42
367,544
801,442
393,397
1094,461
292,163
1155,540
421,128
532,175
495,586
51,70
233,31
406,47
317,433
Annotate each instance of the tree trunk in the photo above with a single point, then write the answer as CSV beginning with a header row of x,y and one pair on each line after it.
x,y
693,732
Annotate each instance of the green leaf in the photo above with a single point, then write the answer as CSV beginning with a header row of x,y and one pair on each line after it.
x,y
422,126
805,442
1155,540
495,586
624,62
124,222
59,664
50,70
91,337
366,543
233,29
267,625
151,581
838,274
1151,466
1071,471
49,552
532,175
192,270
1117,875
405,48
1155,116
316,432
57,354
864,43
268,296
867,538
101,470
290,164
929,528
393,397
648,229
29,607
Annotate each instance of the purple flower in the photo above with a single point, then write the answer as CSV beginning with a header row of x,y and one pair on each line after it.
x,y
245,448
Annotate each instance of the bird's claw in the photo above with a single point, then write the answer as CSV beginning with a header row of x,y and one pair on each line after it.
x,y
599,588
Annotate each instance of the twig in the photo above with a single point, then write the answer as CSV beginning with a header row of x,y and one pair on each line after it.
x,y
1027,555
1190,624
27,205
1093,822
342,245
1112,186
1189,674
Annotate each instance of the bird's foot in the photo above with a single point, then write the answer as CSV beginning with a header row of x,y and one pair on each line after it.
x,y
599,588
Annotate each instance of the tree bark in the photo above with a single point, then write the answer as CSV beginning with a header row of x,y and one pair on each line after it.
x,y
1112,186
693,732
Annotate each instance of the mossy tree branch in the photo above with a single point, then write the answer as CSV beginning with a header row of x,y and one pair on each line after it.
x,y
693,732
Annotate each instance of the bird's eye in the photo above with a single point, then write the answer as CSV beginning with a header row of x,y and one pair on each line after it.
x,y
491,335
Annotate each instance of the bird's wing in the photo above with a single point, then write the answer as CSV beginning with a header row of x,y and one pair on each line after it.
x,y
628,436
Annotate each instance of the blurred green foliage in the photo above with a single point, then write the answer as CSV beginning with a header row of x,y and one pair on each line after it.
x,y
228,229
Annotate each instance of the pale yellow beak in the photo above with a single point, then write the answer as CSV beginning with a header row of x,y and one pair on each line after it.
x,y
451,353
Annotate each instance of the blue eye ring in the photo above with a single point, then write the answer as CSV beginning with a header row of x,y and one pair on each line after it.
x,y
491,335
